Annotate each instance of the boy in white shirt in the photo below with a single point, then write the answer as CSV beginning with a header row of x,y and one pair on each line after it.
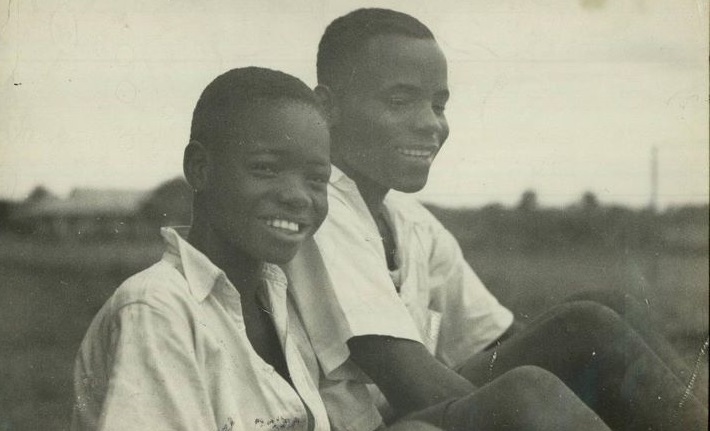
x,y
399,277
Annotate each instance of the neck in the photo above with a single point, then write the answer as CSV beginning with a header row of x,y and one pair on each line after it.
x,y
243,271
372,193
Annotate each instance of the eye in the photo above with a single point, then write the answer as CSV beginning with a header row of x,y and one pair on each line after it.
x,y
398,101
264,169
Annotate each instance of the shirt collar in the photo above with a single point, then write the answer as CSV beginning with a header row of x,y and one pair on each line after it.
x,y
340,180
201,274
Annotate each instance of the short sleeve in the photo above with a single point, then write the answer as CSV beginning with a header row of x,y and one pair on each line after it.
x,y
355,295
153,379
472,317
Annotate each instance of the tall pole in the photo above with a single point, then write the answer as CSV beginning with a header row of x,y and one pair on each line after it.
x,y
653,203
653,207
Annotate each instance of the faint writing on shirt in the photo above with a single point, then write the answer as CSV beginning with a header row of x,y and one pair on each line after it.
x,y
278,423
229,426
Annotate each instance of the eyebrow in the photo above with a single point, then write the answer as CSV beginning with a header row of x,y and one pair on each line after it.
x,y
281,152
403,87
269,151
410,88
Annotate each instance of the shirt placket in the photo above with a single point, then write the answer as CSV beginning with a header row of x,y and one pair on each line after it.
x,y
232,301
276,294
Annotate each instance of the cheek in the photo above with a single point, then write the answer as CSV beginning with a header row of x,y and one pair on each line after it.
x,y
375,126
320,207
389,128
372,140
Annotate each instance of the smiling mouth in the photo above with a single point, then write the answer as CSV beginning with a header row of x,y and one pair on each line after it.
x,y
422,154
285,226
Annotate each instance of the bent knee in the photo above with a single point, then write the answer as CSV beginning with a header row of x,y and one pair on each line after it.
x,y
530,382
614,298
541,399
589,315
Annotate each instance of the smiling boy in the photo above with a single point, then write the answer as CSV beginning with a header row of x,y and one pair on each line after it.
x,y
396,272
207,338
406,293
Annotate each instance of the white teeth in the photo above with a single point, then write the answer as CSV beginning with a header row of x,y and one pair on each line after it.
x,y
415,153
283,224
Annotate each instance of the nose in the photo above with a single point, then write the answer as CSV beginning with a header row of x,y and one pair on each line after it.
x,y
429,122
293,193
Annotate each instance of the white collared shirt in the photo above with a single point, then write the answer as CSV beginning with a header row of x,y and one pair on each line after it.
x,y
441,302
169,351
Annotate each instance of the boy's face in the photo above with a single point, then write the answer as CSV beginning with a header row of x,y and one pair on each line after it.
x,y
267,189
391,120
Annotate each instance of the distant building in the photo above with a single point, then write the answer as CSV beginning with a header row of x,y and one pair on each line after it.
x,y
86,213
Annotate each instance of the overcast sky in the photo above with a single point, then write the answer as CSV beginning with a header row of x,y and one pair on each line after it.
x,y
559,96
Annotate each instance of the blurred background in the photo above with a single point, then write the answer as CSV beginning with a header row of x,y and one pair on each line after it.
x,y
577,161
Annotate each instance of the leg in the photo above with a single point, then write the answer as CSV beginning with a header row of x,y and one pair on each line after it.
x,y
526,398
639,319
603,361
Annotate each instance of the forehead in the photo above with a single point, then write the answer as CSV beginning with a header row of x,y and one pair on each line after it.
x,y
283,126
396,59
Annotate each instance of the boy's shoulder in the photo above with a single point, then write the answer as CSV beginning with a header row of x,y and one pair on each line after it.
x,y
159,286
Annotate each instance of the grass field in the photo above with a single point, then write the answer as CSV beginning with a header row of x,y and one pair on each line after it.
x,y
49,292
673,288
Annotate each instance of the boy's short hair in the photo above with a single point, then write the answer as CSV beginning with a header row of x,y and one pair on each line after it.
x,y
240,90
347,35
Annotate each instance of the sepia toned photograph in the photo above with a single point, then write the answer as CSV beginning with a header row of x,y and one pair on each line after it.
x,y
354,215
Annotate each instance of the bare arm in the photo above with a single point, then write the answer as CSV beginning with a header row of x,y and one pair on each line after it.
x,y
406,373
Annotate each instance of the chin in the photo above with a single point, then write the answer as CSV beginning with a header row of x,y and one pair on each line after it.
x,y
408,189
280,257
410,186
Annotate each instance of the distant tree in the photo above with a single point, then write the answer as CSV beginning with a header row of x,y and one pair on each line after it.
x,y
39,193
528,201
169,204
589,202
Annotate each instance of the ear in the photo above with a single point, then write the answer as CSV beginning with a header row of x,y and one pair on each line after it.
x,y
330,102
196,165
